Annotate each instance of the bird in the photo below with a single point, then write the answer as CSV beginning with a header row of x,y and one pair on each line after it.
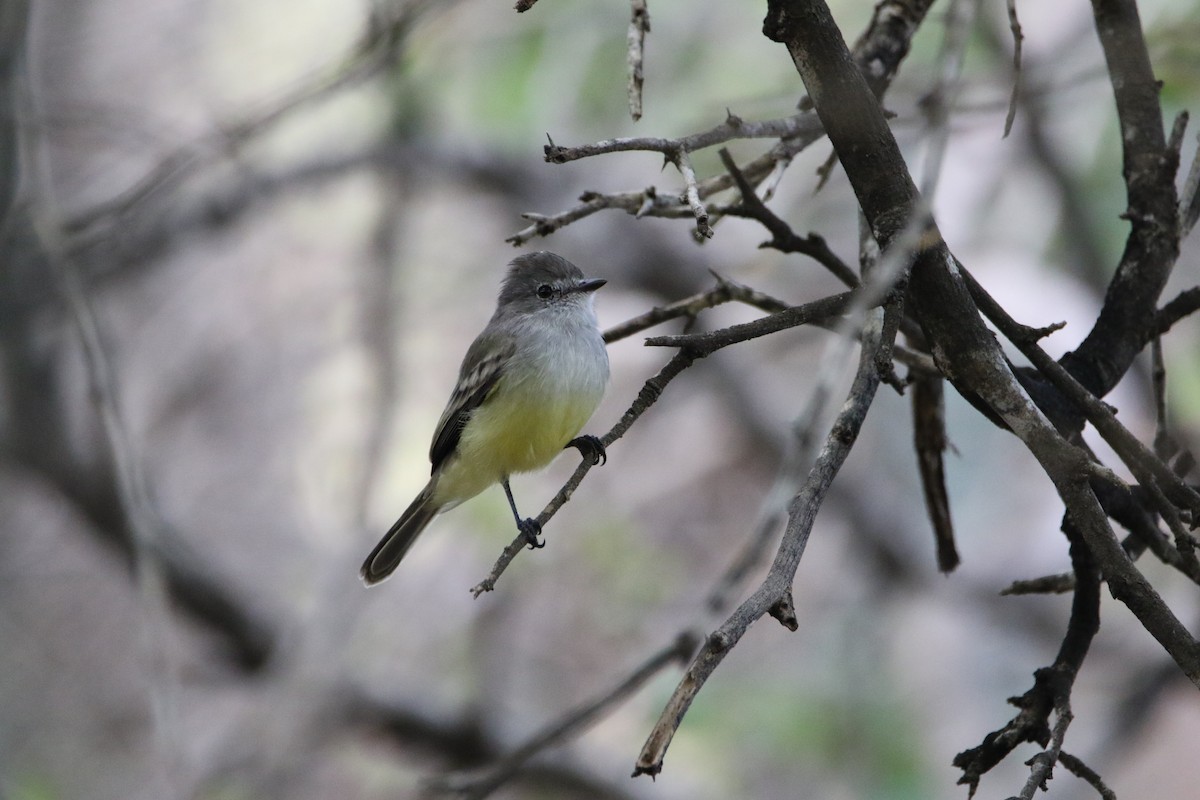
x,y
527,385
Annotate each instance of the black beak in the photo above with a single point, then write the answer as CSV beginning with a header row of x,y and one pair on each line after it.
x,y
589,285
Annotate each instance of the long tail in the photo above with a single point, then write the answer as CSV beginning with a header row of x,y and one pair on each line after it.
x,y
391,548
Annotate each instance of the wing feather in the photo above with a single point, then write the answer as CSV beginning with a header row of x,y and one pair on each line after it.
x,y
482,367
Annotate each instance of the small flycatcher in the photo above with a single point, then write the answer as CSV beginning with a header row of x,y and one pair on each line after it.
x,y
527,385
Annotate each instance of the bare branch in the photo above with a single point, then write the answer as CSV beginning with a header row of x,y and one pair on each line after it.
x,y
1043,763
783,238
938,293
639,26
1014,25
1189,198
878,52
702,344
1145,465
802,514
1124,325
942,97
476,786
460,741
145,528
734,127
1185,304
683,161
929,440
1051,690
1086,773
724,292
1049,584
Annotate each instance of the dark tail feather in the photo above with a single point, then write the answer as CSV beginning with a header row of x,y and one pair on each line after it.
x,y
387,554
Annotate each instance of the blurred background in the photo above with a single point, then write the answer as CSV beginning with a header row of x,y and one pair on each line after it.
x,y
251,242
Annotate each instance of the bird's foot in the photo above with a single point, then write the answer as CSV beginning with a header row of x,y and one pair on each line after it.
x,y
531,529
591,448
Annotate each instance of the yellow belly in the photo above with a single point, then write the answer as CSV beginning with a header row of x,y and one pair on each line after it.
x,y
518,429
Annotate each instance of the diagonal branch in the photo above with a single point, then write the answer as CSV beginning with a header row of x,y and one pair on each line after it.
x,y
480,785
776,588
783,238
1149,469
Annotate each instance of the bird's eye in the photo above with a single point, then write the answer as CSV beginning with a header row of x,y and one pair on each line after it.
x,y
544,291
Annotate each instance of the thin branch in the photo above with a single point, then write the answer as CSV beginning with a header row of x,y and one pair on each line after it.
x,y
1014,25
703,344
650,392
1086,773
773,595
796,132
1189,197
734,127
1140,460
944,94
1048,584
1185,304
724,292
1164,448
929,426
1128,506
1043,763
478,785
165,568
639,26
683,161
782,237
802,514
929,441
462,742
589,203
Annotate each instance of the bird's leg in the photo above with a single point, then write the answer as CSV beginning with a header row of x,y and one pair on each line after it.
x,y
529,528
591,448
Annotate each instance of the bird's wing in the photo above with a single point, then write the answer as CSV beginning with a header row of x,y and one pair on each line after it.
x,y
481,369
